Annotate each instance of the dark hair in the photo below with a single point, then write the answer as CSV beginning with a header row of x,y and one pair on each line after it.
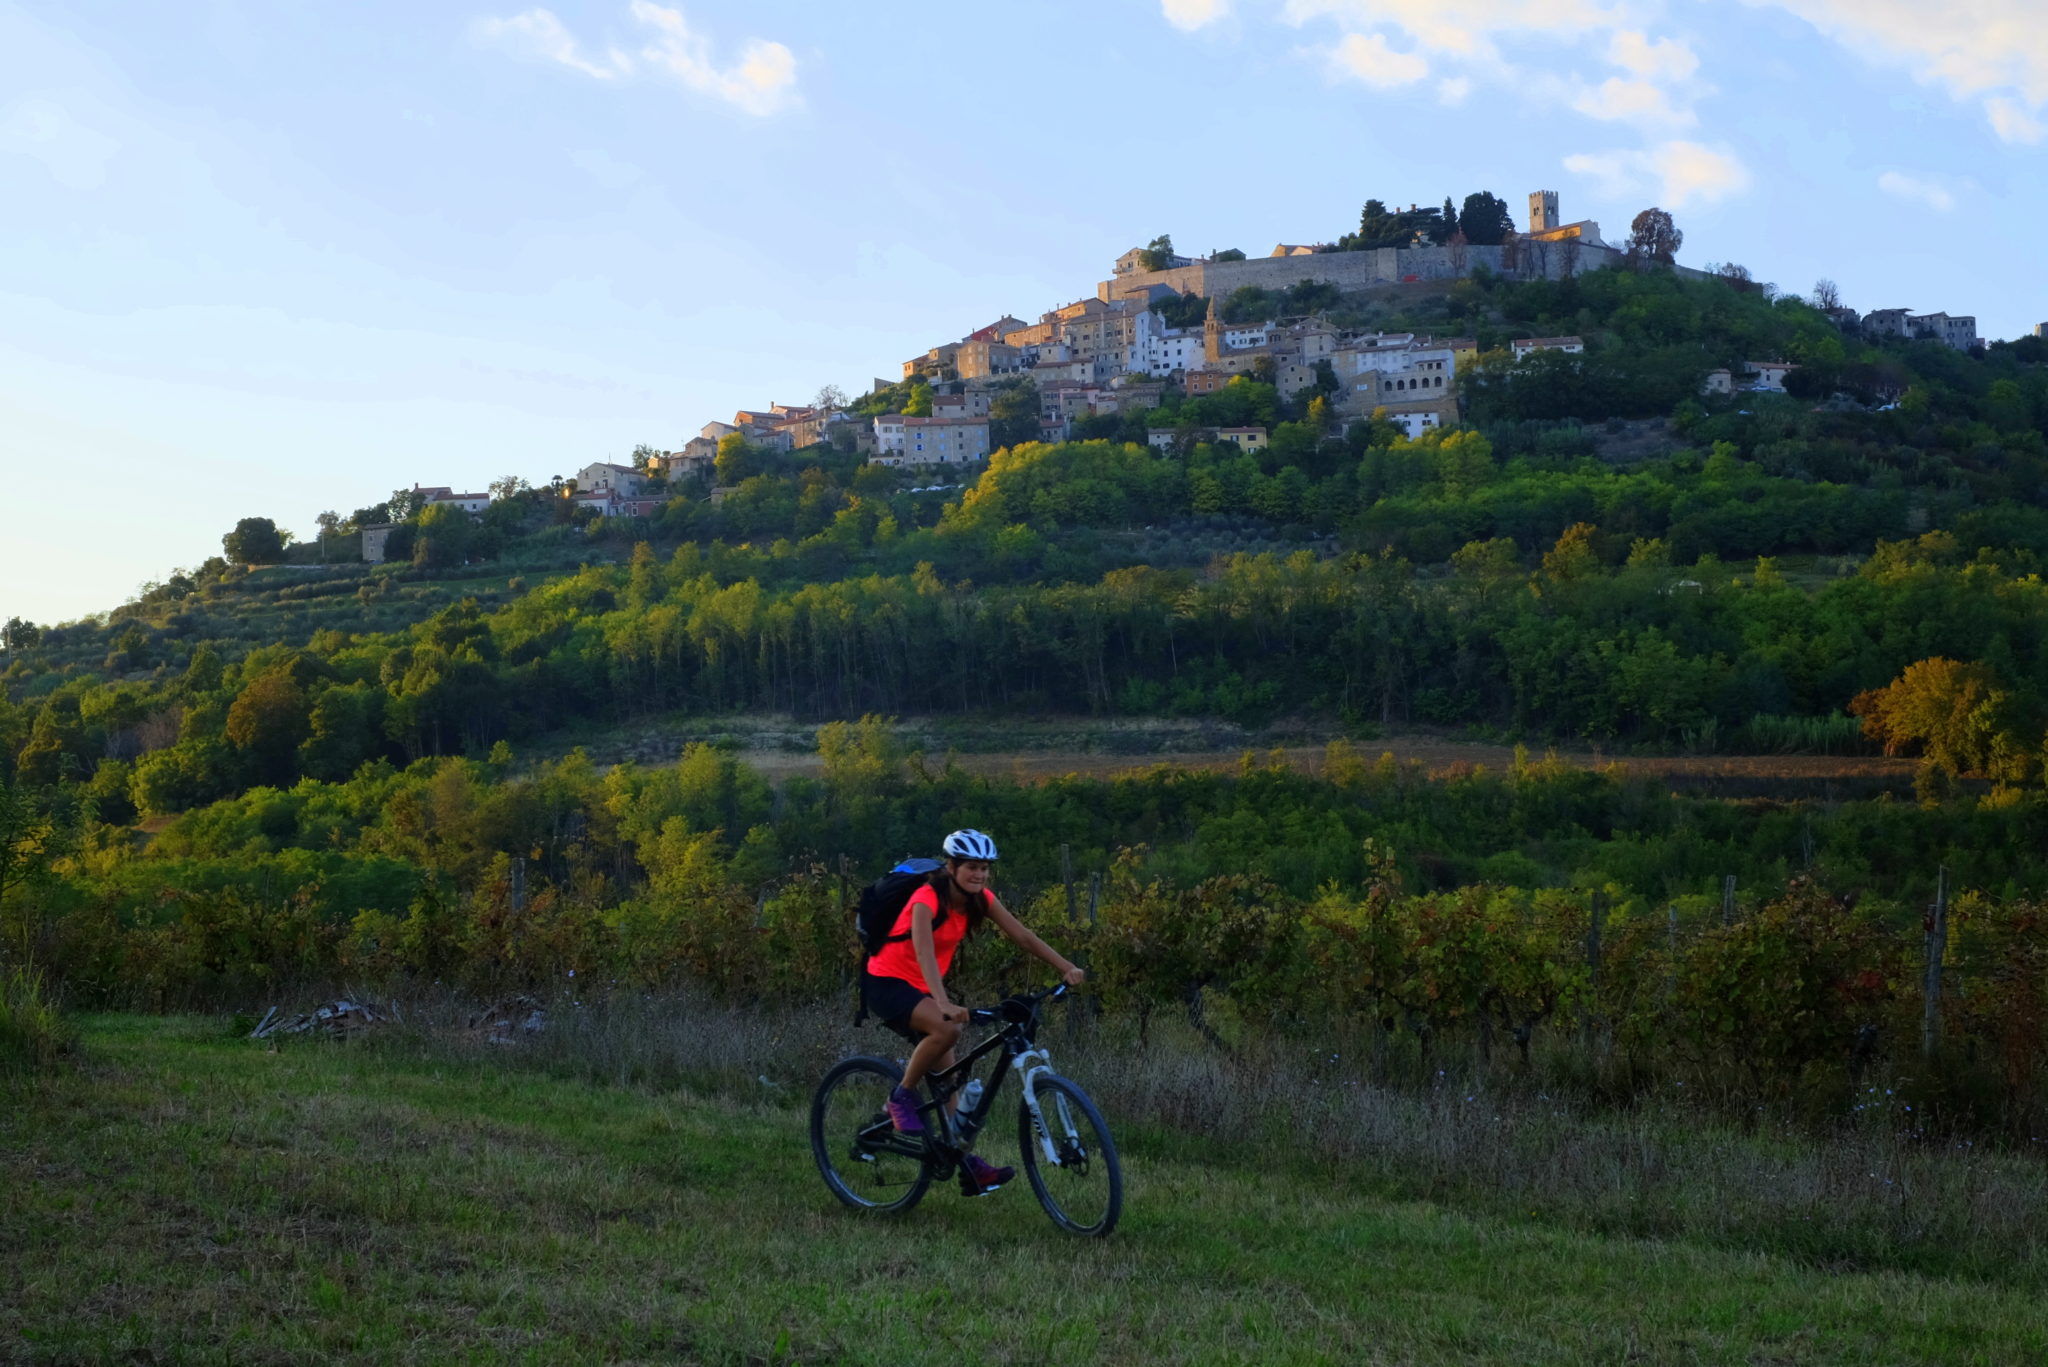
x,y
948,892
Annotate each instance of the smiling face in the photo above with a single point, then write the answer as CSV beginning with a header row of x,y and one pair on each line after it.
x,y
970,875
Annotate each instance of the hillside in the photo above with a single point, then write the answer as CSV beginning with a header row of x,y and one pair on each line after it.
x,y
1599,554
303,773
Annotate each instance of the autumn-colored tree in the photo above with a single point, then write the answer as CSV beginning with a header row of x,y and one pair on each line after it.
x,y
268,721
1954,713
1573,556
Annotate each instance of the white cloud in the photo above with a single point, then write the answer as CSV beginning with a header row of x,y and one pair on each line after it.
x,y
1921,191
1677,172
1367,58
1634,101
1652,59
762,81
2012,122
538,33
1189,15
1463,28
71,152
1454,90
1584,42
1996,50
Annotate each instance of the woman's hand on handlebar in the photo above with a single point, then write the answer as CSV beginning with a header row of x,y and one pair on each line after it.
x,y
1074,977
951,1014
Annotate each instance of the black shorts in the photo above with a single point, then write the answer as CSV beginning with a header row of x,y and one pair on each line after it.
x,y
890,1000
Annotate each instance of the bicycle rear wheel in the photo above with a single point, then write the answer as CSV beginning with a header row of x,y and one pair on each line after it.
x,y
1072,1164
863,1160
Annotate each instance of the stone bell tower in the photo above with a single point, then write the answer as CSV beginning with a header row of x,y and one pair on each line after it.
x,y
1543,211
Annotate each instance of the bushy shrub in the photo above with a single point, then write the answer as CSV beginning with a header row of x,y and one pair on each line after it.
x,y
34,1034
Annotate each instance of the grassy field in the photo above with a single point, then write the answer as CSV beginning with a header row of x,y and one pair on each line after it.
x,y
187,1196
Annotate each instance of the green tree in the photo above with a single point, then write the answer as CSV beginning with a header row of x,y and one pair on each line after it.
x,y
1158,254
1653,236
19,635
1013,414
56,746
1446,224
444,535
737,461
254,541
1485,221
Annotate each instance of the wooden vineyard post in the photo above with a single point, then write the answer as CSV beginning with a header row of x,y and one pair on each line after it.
x,y
845,917
1937,950
1596,924
1670,953
1094,896
518,891
1067,877
1728,900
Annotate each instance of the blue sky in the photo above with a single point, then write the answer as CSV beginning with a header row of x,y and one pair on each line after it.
x,y
273,258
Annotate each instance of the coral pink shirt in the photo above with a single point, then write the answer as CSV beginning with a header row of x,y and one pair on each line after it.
x,y
898,958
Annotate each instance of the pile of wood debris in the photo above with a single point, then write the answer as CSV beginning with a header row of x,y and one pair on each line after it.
x,y
341,1017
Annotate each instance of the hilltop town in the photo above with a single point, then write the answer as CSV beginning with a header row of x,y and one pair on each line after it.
x,y
1164,321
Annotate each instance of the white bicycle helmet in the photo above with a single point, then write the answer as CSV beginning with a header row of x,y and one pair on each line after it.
x,y
970,844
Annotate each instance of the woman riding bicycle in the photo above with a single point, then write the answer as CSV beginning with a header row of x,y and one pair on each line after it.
x,y
904,985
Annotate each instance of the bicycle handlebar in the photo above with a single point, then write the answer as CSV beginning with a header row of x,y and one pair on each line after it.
x,y
986,1014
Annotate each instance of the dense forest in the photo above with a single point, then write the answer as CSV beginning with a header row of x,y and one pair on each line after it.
x,y
274,767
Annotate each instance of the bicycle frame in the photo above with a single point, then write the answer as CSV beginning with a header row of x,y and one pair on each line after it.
x,y
1021,1052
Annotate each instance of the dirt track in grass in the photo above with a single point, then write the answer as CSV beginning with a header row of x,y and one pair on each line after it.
x,y
1720,775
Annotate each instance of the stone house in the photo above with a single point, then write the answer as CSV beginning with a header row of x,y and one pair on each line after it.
x,y
889,433
971,403
697,460
1199,382
1766,376
936,364
981,360
1955,330
614,503
428,495
937,441
605,477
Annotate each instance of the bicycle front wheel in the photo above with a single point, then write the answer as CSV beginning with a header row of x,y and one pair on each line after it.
x,y
1070,1158
863,1160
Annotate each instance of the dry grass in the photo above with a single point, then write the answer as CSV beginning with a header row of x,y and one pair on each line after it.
x,y
1876,1192
193,1197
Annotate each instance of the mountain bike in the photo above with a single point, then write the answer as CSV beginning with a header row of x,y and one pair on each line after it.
x,y
1066,1149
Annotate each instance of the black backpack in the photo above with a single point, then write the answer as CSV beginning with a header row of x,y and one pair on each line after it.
x,y
883,900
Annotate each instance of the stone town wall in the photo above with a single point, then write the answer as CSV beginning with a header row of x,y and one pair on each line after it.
x,y
1381,266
